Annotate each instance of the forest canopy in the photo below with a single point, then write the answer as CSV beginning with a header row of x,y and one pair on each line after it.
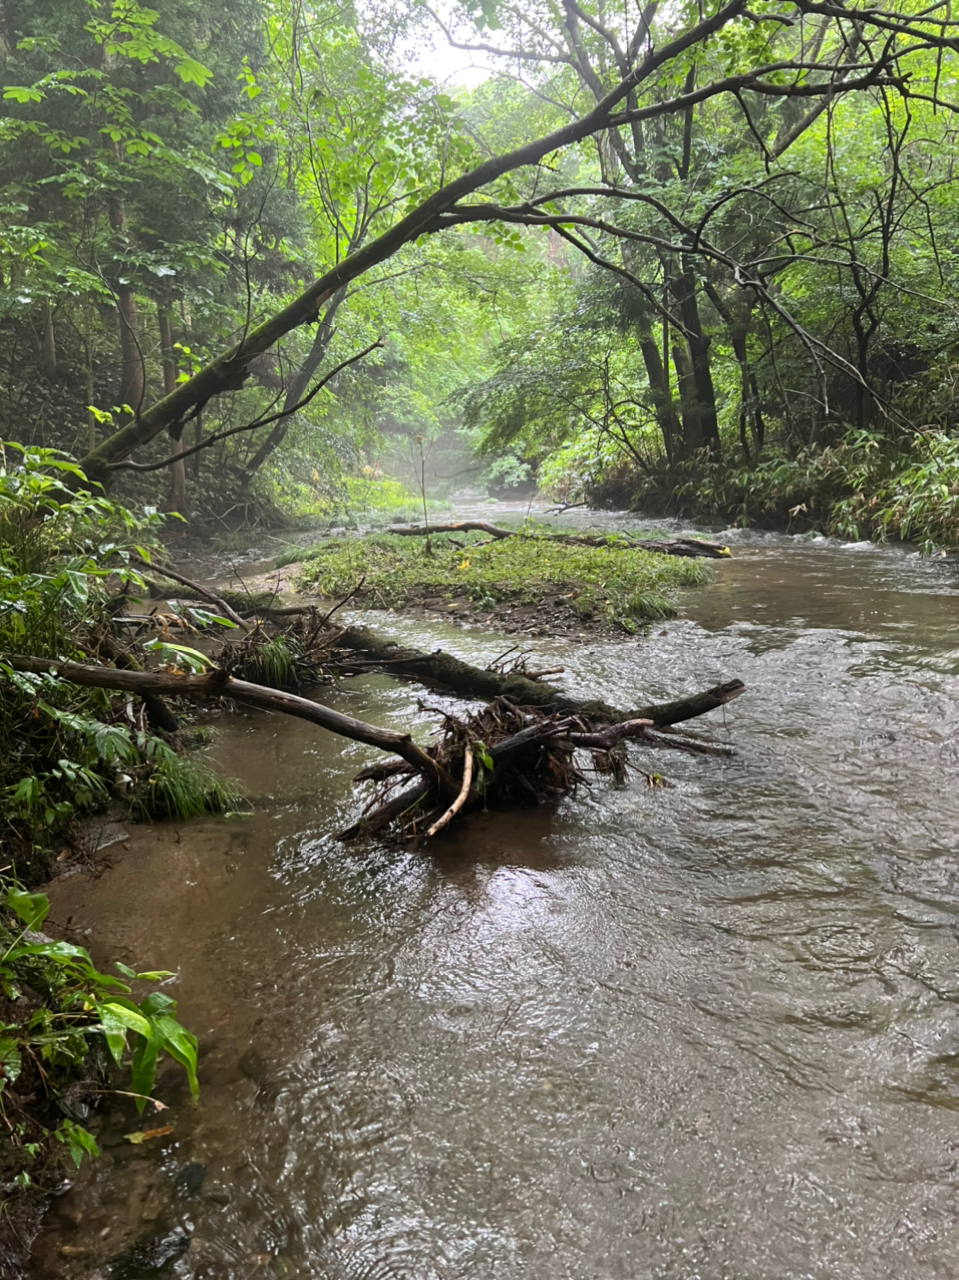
x,y
697,257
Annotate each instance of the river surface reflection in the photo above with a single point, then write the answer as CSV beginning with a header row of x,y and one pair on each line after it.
x,y
706,1031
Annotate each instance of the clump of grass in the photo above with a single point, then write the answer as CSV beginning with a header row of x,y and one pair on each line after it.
x,y
182,787
273,662
622,586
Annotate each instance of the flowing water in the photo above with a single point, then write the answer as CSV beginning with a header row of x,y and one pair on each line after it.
x,y
705,1031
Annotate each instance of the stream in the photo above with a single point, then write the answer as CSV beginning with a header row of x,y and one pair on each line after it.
x,y
705,1031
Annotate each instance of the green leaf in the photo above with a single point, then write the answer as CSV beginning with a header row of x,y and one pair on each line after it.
x,y
80,1141
125,1015
143,1068
31,908
157,1002
58,952
179,653
181,1045
18,93
192,72
115,1033
10,1060
80,585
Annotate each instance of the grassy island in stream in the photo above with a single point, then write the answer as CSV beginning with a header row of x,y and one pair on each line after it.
x,y
522,583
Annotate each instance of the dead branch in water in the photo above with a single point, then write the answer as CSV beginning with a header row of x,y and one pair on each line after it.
x,y
524,753
444,671
203,592
217,684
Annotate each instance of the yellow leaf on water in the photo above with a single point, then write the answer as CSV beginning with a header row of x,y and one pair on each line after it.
x,y
146,1134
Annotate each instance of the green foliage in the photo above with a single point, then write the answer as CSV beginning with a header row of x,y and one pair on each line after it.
x,y
271,662
621,586
81,1009
861,487
64,559
179,787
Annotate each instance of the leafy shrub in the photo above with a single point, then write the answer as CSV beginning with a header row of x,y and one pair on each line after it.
x,y
81,1010
67,557
863,486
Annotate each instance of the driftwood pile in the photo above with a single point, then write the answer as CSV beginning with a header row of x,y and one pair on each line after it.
x,y
520,747
504,754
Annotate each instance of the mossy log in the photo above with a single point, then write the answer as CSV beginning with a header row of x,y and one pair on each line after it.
x,y
444,671
689,547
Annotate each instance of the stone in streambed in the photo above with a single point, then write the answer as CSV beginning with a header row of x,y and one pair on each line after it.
x,y
189,1180
148,1256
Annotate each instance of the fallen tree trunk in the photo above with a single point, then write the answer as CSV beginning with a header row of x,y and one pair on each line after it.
x,y
444,671
217,684
674,547
522,751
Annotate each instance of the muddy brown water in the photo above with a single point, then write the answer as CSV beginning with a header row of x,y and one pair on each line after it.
x,y
707,1031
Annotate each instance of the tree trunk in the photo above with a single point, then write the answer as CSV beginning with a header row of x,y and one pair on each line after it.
x,y
91,395
132,373
177,497
663,406
462,678
688,403
705,428
132,381
298,385
48,350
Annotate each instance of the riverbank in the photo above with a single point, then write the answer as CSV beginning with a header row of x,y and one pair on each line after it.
x,y
859,487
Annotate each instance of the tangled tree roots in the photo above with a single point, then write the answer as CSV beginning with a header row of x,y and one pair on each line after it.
x,y
504,754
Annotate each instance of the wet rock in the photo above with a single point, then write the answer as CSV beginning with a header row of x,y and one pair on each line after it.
x,y
253,1066
154,1207
189,1180
255,1069
148,1256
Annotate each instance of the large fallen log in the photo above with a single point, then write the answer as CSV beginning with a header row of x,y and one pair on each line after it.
x,y
520,750
217,684
623,541
441,670
444,671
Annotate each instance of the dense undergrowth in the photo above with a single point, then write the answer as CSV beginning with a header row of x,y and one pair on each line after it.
x,y
861,487
67,569
620,586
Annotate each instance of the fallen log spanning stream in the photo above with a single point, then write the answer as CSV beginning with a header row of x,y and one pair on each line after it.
x,y
507,731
